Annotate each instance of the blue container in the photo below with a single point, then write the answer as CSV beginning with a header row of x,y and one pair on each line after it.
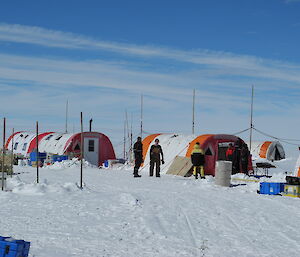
x,y
271,188
33,156
59,158
106,164
13,248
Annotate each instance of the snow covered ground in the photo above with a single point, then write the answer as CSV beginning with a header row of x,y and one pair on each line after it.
x,y
121,216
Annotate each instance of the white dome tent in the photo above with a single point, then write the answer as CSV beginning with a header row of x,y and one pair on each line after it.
x,y
269,150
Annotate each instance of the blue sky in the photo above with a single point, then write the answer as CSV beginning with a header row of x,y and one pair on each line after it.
x,y
101,55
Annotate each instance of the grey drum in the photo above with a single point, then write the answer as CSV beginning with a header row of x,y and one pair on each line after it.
x,y
223,173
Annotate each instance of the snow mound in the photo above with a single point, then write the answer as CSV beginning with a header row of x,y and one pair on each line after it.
x,y
17,186
74,163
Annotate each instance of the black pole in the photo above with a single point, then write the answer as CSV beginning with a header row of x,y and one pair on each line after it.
x,y
3,152
37,153
81,151
91,120
12,152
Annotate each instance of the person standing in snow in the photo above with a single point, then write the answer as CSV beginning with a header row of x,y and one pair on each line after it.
x,y
229,152
156,157
198,161
244,158
138,156
236,158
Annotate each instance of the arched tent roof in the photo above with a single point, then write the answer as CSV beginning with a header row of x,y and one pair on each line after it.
x,y
32,145
270,150
21,140
55,143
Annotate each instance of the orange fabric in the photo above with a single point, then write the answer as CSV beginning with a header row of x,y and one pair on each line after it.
x,y
147,142
199,139
298,172
264,148
229,151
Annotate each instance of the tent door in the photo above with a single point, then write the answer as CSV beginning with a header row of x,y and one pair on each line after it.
x,y
91,150
277,154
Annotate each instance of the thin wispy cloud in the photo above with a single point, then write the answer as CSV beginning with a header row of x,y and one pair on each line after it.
x,y
104,87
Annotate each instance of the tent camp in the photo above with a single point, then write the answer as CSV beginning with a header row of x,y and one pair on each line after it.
x,y
97,147
269,150
214,146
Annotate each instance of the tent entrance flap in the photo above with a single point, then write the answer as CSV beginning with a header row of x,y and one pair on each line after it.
x,y
181,166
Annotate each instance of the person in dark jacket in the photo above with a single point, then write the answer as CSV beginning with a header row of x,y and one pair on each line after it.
x,y
236,159
156,157
138,156
244,158
198,161
230,152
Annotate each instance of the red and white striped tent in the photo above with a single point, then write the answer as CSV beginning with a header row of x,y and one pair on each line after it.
x,y
97,146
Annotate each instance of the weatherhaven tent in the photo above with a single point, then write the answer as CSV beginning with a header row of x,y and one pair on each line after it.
x,y
214,146
96,147
269,150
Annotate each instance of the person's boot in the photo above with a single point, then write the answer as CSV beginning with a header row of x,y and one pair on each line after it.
x,y
136,176
196,176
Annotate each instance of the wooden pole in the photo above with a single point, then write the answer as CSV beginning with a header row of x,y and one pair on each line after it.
x,y
193,122
12,152
142,107
251,119
37,153
3,152
81,152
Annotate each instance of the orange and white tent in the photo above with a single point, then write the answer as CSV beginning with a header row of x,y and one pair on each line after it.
x,y
213,145
269,150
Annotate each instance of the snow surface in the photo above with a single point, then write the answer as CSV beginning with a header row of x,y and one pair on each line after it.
x,y
118,215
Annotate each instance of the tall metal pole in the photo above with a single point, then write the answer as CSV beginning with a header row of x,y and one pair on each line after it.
x,y
124,141
131,139
67,107
3,152
251,118
12,152
37,153
81,151
142,106
193,122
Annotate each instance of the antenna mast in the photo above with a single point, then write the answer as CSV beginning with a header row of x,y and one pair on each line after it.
x,y
142,103
251,118
193,122
67,107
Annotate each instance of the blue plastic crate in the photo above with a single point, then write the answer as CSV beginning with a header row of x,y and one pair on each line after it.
x,y
59,158
13,248
33,156
271,188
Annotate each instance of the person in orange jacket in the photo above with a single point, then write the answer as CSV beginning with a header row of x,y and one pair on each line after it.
x,y
229,152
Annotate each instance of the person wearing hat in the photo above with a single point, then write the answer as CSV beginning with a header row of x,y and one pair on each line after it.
x,y
156,157
198,161
138,157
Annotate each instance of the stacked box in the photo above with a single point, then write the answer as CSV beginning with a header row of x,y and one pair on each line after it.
x,y
271,188
10,247
291,180
292,190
